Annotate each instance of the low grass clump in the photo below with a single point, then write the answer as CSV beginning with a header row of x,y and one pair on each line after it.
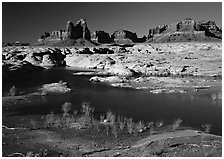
x,y
176,124
206,127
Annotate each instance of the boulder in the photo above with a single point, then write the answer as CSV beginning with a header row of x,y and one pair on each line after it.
x,y
60,87
111,79
33,59
120,70
48,61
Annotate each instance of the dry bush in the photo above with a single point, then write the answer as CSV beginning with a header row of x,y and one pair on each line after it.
x,y
140,126
150,124
121,123
176,124
102,117
66,107
159,123
206,127
115,130
130,125
12,91
50,118
87,109
110,117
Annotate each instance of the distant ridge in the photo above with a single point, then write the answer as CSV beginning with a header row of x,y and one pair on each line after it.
x,y
186,30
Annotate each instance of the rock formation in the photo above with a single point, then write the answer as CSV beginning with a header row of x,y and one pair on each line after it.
x,y
124,37
101,37
80,30
185,30
67,37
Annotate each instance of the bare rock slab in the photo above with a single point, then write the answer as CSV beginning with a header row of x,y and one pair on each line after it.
x,y
52,88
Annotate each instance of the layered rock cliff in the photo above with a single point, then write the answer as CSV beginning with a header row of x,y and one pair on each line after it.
x,y
186,30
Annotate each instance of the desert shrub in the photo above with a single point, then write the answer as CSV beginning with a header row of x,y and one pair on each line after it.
x,y
150,124
176,124
86,109
121,123
110,117
159,123
66,107
206,127
140,126
12,91
102,117
130,125
50,118
115,130
107,129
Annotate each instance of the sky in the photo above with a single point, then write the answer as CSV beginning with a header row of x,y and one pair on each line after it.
x,y
26,21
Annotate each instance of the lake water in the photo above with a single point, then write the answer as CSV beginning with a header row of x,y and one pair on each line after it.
x,y
194,109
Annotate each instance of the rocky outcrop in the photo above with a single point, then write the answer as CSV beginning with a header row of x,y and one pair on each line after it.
x,y
46,58
73,35
124,37
80,30
186,30
111,79
101,37
60,87
11,69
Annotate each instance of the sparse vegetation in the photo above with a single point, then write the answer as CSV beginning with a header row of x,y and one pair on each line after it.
x,y
87,110
150,124
206,127
121,123
66,107
110,117
115,130
12,91
140,126
176,124
102,117
159,123
50,118
130,125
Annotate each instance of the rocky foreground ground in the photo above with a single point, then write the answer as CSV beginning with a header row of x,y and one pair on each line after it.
x,y
140,66
160,68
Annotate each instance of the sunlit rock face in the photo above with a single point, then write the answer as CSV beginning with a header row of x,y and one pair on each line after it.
x,y
186,30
